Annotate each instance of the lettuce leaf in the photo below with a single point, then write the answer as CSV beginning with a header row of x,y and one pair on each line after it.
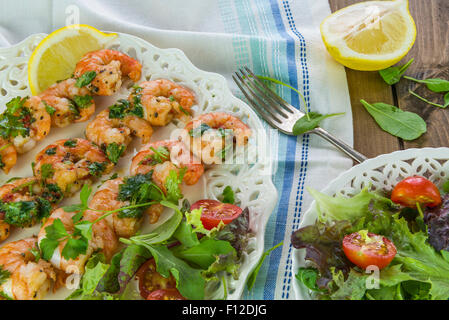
x,y
342,208
418,271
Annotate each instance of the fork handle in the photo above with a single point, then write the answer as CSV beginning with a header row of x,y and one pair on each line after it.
x,y
355,155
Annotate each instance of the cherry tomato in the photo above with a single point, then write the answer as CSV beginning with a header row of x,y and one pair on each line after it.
x,y
165,294
215,211
150,280
414,190
366,249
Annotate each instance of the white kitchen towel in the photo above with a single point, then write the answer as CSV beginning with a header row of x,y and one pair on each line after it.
x,y
275,38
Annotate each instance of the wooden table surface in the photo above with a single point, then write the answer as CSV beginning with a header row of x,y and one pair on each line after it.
x,y
431,54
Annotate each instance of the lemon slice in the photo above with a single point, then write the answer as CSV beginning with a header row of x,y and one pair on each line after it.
x,y
371,35
57,54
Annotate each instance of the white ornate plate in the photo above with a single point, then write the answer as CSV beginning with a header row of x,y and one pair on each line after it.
x,y
380,173
252,182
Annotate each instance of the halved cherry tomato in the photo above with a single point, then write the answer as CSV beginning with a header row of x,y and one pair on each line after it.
x,y
165,294
215,211
366,249
150,280
414,190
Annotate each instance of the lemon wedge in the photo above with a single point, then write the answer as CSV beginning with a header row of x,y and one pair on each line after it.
x,y
57,54
371,35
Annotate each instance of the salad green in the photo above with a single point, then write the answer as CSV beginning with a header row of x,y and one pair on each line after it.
x,y
420,269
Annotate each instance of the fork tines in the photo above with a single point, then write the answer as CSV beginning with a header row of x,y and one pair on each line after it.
x,y
267,103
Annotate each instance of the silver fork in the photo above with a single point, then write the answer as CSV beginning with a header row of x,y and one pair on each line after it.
x,y
280,114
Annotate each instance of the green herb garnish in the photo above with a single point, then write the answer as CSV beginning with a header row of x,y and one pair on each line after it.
x,y
85,79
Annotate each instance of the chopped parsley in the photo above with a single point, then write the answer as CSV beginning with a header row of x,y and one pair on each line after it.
x,y
50,110
20,214
96,168
85,79
16,119
199,131
52,192
124,108
51,151
83,101
47,171
114,151
4,275
160,155
138,189
70,143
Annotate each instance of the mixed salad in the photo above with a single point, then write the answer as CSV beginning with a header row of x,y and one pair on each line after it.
x,y
186,257
379,247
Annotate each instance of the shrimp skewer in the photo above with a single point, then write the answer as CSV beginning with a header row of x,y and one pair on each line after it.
x,y
162,100
109,66
28,279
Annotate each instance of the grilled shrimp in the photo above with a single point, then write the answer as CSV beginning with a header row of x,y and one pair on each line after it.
x,y
208,135
28,279
18,190
57,260
24,122
70,162
104,130
109,66
177,156
70,103
105,199
162,100
8,155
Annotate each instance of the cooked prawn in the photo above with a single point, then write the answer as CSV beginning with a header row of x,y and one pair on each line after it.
x,y
28,279
70,163
104,130
29,121
209,133
109,66
8,155
105,199
162,100
57,260
62,98
178,157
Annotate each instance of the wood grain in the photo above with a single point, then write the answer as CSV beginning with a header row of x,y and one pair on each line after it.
x,y
369,139
431,54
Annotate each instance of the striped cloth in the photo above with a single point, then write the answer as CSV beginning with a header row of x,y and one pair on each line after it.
x,y
275,38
